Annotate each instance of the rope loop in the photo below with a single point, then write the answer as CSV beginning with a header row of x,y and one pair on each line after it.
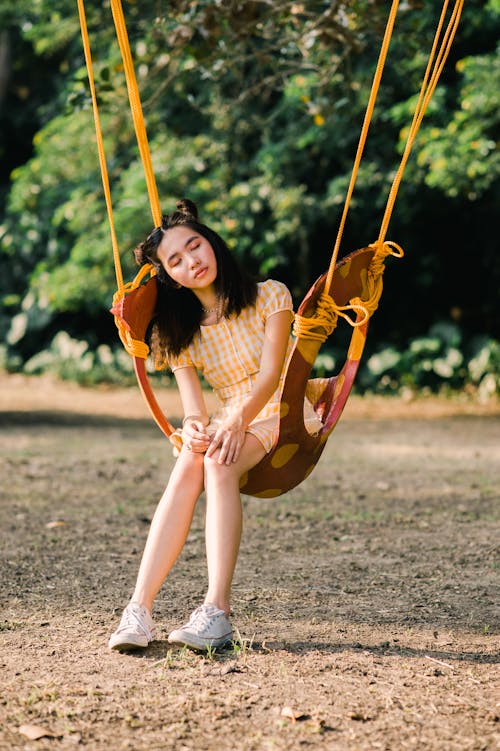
x,y
374,283
124,289
319,326
133,347
322,324
382,250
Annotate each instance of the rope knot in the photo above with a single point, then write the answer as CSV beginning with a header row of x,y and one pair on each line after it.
x,y
322,324
319,326
382,250
133,347
374,283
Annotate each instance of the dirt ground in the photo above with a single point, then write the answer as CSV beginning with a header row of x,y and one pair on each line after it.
x,y
367,599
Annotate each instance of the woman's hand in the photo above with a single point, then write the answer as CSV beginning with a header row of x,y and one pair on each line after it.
x,y
228,438
194,434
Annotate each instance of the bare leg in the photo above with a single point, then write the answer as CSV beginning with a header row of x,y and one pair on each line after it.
x,y
170,526
224,519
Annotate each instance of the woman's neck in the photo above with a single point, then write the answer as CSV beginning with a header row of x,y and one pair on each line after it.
x,y
212,306
208,297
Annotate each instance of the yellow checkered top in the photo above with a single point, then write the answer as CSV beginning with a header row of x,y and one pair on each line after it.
x,y
228,354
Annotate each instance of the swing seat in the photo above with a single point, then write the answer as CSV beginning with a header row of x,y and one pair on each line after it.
x,y
133,314
296,451
355,282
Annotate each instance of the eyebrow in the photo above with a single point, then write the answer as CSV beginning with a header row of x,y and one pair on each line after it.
x,y
176,252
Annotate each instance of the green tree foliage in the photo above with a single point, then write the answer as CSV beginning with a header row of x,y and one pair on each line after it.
x,y
253,110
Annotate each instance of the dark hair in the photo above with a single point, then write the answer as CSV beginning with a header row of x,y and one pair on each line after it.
x,y
178,311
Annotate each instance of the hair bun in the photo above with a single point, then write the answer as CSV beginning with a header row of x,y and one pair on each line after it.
x,y
187,207
140,255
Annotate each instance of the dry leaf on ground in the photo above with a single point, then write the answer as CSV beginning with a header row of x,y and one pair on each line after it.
x,y
34,732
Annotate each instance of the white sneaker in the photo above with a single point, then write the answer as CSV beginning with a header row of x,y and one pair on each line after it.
x,y
207,627
136,629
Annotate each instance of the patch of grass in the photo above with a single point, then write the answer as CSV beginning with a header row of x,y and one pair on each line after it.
x,y
174,659
10,625
241,647
210,653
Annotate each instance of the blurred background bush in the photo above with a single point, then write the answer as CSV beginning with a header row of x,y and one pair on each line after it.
x,y
253,110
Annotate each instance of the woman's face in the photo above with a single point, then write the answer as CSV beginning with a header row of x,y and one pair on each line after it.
x,y
188,258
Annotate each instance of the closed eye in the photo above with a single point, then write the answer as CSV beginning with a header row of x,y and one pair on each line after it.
x,y
192,243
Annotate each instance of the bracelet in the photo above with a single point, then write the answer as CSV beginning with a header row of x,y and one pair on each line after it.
x,y
191,417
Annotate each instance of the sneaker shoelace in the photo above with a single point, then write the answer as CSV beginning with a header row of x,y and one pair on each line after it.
x,y
202,618
133,620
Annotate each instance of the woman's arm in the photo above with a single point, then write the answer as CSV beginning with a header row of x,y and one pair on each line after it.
x,y
277,335
196,417
230,436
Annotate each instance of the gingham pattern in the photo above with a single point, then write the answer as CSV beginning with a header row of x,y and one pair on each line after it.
x,y
228,353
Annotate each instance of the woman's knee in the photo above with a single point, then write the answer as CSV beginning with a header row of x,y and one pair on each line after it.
x,y
190,459
216,470
188,467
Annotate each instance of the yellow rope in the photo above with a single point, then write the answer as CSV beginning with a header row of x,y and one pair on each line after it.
x,y
363,135
327,317
432,74
320,326
100,143
134,347
136,109
374,281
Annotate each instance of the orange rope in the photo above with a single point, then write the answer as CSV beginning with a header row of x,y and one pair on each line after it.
x,y
363,136
429,83
321,325
431,77
134,347
100,144
136,109
326,319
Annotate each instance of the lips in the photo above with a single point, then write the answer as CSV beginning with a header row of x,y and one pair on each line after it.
x,y
200,272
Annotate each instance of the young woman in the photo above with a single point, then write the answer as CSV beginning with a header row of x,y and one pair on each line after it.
x,y
212,319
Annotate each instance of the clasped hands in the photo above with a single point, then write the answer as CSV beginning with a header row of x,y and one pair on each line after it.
x,y
226,438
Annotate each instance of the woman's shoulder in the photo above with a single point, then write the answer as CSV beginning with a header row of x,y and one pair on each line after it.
x,y
272,297
272,286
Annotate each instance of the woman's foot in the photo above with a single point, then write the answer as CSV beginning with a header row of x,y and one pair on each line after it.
x,y
136,629
208,627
